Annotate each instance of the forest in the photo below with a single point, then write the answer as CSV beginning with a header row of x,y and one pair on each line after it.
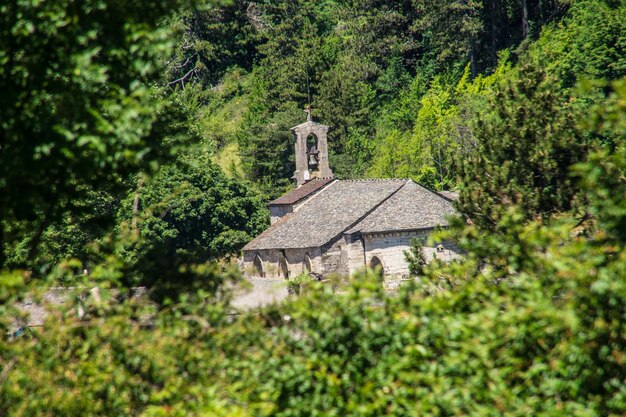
x,y
141,140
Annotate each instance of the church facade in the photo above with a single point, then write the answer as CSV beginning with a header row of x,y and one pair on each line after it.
x,y
327,226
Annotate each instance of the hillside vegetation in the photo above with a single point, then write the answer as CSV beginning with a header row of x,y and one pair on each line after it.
x,y
141,140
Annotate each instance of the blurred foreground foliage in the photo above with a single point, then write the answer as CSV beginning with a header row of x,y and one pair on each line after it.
x,y
530,322
99,157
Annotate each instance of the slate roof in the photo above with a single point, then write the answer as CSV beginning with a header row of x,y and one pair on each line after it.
x,y
450,195
413,207
337,207
302,192
367,206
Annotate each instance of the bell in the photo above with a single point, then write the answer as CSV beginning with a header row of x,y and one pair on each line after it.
x,y
312,159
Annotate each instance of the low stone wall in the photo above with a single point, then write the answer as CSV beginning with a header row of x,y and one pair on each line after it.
x,y
260,292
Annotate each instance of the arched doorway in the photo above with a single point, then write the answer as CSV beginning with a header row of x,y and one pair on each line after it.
x,y
257,265
306,265
378,267
283,267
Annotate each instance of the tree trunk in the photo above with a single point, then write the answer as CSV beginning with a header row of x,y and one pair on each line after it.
x,y
36,240
2,244
472,58
524,19
494,32
136,201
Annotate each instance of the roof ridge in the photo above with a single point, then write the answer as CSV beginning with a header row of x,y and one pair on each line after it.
x,y
374,179
431,206
437,193
315,195
304,191
371,210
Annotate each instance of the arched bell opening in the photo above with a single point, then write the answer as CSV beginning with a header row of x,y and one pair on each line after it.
x,y
257,266
377,266
283,267
312,152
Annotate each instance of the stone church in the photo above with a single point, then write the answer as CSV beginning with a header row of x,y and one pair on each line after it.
x,y
329,226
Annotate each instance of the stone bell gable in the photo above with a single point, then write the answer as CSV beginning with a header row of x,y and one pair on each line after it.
x,y
311,147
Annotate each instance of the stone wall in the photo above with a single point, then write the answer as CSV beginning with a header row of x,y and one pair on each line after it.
x,y
296,260
390,248
354,252
270,259
348,254
277,212
334,258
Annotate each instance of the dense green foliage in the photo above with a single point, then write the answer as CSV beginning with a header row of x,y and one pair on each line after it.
x,y
224,214
367,68
85,114
77,110
117,120
538,329
527,146
186,215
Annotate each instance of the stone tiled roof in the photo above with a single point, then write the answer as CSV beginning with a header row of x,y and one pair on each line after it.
x,y
302,192
450,195
412,207
349,206
336,208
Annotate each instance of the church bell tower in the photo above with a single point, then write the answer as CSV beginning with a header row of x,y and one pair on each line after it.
x,y
311,145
